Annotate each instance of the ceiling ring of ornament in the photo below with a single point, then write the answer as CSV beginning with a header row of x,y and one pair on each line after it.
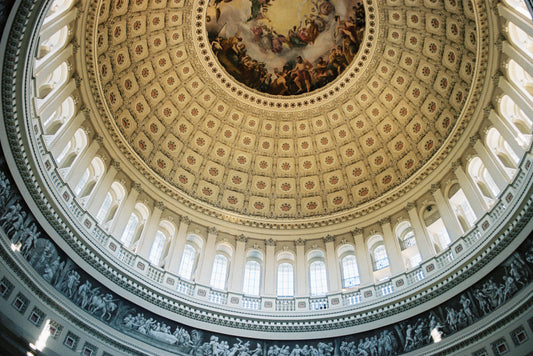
x,y
287,168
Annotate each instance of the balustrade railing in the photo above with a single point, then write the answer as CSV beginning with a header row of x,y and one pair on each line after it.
x,y
445,258
384,289
285,304
155,274
185,288
251,303
415,276
218,297
351,298
318,303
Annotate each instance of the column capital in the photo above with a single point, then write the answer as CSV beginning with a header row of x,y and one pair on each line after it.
x,y
329,238
212,230
270,242
99,139
456,164
241,238
185,220
435,187
410,206
474,138
486,110
357,231
137,187
160,205
384,221
300,242
114,164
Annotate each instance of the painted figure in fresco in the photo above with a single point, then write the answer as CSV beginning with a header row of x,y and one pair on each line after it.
x,y
302,75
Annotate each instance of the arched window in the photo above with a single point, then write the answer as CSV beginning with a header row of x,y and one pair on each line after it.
x,y
104,208
129,230
252,278
502,151
519,6
112,201
409,250
219,272
285,285
318,279
72,148
81,183
350,272
188,259
53,81
521,78
63,114
517,118
381,260
157,248
135,225
436,228
483,180
90,177
58,7
51,45
461,207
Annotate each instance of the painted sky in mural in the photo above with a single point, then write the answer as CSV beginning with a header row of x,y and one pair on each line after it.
x,y
285,47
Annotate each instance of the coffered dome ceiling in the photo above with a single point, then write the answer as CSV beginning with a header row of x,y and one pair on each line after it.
x,y
183,102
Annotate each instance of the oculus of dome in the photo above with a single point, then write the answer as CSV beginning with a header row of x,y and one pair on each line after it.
x,y
284,47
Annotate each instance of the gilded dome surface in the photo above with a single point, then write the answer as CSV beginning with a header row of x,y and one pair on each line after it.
x,y
211,138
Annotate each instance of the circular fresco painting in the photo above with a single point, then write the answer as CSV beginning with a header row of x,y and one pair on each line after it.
x,y
285,47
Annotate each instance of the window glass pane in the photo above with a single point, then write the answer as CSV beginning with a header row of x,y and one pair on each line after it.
x,y
100,216
81,183
380,258
218,274
462,207
157,248
63,153
285,280
318,279
187,262
129,230
350,272
252,278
